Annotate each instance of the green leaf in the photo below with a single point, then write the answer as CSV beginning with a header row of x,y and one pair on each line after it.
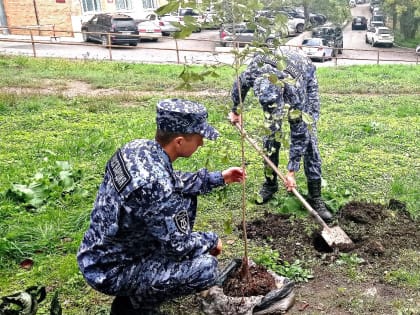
x,y
64,165
66,180
291,204
307,118
295,114
168,8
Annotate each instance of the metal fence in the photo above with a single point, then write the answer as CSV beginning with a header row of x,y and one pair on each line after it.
x,y
168,50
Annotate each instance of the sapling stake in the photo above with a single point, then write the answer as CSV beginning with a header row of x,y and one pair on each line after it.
x,y
244,272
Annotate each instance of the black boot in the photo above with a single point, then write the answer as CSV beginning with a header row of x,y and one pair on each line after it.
x,y
270,187
267,191
315,200
122,306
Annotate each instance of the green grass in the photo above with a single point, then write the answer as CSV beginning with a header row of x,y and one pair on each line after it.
x,y
368,133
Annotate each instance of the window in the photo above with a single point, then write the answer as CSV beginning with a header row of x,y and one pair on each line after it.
x,y
123,4
94,20
149,4
91,5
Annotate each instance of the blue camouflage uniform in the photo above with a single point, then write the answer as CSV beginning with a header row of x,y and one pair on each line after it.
x,y
140,242
302,95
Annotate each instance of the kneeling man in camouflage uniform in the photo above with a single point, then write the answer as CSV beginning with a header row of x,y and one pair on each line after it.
x,y
140,245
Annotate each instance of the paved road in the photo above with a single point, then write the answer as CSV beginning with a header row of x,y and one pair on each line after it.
x,y
356,47
199,48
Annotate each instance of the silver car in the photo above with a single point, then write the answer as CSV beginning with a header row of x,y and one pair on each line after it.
x,y
166,26
241,34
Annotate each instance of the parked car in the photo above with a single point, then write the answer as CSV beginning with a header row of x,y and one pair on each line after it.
x,y
379,36
376,24
378,17
418,50
191,12
317,19
374,4
359,23
294,25
149,30
211,17
243,34
334,36
377,11
179,17
352,3
166,27
317,49
110,29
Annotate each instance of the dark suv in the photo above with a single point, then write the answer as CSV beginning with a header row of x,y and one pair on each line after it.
x,y
333,35
111,29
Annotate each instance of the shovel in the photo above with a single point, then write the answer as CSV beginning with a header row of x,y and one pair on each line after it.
x,y
335,237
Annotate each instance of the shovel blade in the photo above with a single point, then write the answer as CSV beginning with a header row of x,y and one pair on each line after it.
x,y
335,237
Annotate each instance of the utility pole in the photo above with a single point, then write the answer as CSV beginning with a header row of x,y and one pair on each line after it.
x,y
36,16
3,19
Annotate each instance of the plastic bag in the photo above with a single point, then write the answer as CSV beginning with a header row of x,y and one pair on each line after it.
x,y
215,302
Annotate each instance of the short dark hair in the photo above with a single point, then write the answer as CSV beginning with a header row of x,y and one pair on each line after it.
x,y
165,137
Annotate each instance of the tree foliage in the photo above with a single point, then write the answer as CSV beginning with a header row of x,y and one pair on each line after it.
x,y
406,13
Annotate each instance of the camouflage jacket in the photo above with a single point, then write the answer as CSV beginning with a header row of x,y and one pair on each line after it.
x,y
144,207
300,92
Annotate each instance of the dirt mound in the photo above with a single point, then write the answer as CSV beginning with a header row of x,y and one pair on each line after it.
x,y
257,282
375,229
380,233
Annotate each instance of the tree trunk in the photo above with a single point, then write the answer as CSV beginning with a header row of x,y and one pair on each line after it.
x,y
408,24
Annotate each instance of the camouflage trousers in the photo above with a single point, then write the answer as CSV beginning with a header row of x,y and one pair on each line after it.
x,y
159,279
302,140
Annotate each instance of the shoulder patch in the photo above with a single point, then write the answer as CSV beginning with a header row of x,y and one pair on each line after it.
x,y
119,173
292,70
182,221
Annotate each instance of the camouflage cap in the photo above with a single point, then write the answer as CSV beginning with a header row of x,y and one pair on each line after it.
x,y
183,116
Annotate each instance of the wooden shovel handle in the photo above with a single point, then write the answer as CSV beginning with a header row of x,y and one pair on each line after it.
x,y
276,170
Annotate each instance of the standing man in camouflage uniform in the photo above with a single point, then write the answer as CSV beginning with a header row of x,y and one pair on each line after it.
x,y
261,75
140,245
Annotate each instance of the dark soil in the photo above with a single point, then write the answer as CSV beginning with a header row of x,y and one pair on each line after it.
x,y
257,281
382,236
371,278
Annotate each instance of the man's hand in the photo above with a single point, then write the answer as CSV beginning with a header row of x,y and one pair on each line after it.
x,y
234,118
290,181
233,175
217,250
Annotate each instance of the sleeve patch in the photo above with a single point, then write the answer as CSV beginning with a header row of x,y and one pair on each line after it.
x,y
293,71
182,221
119,173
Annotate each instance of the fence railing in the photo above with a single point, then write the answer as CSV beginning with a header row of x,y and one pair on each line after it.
x,y
174,51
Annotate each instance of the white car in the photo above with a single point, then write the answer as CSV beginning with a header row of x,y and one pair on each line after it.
x,y
179,17
294,25
149,30
379,36
317,49
418,50
352,3
166,27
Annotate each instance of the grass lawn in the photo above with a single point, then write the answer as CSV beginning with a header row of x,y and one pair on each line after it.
x,y
61,120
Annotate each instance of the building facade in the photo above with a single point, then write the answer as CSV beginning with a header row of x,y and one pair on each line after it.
x,y
64,17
